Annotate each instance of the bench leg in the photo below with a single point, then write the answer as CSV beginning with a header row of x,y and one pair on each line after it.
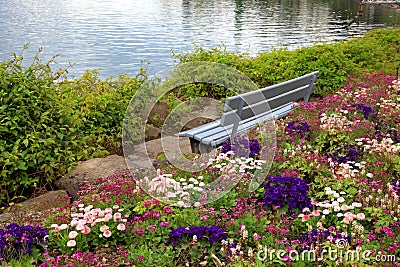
x,y
198,147
194,145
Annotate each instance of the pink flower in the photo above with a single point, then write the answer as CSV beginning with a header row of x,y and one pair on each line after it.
x,y
72,235
107,233
85,230
164,224
349,214
152,228
117,216
305,218
138,231
108,210
121,227
360,216
103,228
316,213
347,220
80,227
57,229
107,217
167,209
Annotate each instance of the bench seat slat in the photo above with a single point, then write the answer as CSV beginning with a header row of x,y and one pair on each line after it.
x,y
247,125
227,130
215,135
243,112
202,128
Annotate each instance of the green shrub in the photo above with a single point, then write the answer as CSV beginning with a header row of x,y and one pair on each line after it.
x,y
47,126
97,107
35,143
376,51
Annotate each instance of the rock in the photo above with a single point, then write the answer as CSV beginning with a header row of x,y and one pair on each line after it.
x,y
38,205
196,122
158,114
152,133
89,171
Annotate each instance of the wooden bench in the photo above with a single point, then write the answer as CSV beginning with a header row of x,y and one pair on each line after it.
x,y
243,112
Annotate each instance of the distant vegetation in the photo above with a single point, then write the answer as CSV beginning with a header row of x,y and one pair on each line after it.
x,y
378,50
47,126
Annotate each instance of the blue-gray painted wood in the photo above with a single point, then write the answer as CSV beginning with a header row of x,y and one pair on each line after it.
x,y
243,112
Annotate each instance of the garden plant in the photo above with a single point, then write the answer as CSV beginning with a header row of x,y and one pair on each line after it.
x,y
331,197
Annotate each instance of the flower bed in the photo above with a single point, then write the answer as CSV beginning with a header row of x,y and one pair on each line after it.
x,y
332,194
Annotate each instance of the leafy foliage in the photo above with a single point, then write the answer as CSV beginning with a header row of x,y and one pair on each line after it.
x,y
374,52
49,123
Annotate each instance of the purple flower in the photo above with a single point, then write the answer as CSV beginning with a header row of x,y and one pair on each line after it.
x,y
182,234
346,153
287,190
318,237
367,111
396,185
299,130
16,240
242,147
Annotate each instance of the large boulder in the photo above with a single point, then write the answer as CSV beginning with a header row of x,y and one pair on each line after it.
x,y
196,122
36,209
152,133
89,171
158,114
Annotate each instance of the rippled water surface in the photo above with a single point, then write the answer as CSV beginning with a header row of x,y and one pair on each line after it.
x,y
118,35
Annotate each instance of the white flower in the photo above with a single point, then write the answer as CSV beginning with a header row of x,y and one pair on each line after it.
x,y
325,211
72,234
71,243
340,200
335,203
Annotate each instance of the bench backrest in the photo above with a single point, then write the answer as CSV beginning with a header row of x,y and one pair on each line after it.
x,y
252,104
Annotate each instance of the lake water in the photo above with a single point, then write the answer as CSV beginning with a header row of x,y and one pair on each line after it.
x,y
119,36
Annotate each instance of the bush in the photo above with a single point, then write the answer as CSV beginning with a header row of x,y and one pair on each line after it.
x,y
49,123
36,144
376,51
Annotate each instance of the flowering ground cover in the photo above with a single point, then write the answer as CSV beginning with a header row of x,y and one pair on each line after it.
x,y
331,198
